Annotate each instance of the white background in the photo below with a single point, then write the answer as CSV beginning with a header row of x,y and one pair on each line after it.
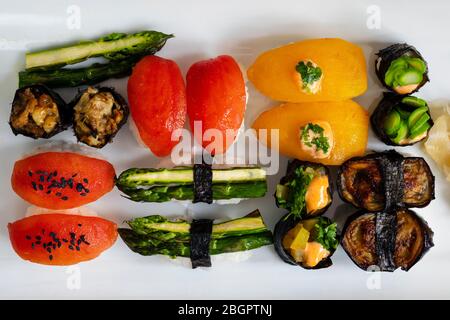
x,y
205,29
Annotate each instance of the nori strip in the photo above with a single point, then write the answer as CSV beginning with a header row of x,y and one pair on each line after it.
x,y
386,231
390,101
203,183
200,232
391,164
389,54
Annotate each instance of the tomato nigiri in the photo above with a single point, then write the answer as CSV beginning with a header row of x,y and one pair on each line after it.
x,y
157,98
61,239
216,98
62,180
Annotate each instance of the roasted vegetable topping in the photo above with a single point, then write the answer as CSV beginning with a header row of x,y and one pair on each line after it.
x,y
310,76
99,114
37,112
384,180
391,240
305,190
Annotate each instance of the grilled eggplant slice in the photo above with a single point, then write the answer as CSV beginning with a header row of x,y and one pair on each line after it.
x,y
401,68
307,243
99,113
386,241
305,190
38,112
401,120
381,181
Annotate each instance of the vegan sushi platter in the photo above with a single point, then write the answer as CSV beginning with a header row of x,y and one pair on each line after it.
x,y
95,127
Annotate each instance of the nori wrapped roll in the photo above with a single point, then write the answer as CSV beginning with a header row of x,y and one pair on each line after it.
x,y
98,114
38,112
306,190
401,120
385,180
385,241
401,68
306,243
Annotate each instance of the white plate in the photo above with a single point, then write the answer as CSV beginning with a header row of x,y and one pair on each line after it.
x,y
205,29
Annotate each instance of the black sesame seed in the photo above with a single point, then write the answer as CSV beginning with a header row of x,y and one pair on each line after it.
x,y
80,225
34,185
30,173
41,187
72,235
86,190
44,245
49,178
79,187
70,247
78,242
41,178
70,183
74,175
32,245
49,191
38,243
55,173
49,250
54,246
65,198
83,194
58,194
38,237
59,244
28,237
52,234
85,180
50,257
65,240
78,248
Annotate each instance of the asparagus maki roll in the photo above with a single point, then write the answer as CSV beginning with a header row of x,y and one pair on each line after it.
x,y
307,243
198,184
385,241
401,120
197,239
98,114
401,68
306,190
38,112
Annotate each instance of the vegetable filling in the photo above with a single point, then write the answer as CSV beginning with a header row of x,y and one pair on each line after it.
x,y
405,74
309,76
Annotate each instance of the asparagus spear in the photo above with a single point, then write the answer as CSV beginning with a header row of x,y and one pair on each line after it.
x,y
186,192
147,246
160,228
91,75
114,47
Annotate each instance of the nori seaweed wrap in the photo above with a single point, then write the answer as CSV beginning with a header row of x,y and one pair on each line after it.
x,y
306,243
385,180
200,232
401,120
38,112
385,241
401,68
203,183
98,114
306,190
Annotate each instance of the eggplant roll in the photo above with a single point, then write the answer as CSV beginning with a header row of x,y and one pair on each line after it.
x,y
306,243
38,112
98,114
401,68
401,120
385,180
305,190
386,241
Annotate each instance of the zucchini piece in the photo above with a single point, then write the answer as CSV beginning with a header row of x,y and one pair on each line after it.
x,y
392,123
115,46
415,115
414,101
402,133
418,131
184,176
409,76
417,64
420,122
402,112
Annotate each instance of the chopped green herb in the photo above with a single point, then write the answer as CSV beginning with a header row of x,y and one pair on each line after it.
x,y
294,199
317,139
308,72
326,233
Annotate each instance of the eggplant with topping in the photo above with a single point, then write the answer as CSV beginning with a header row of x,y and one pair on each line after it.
x,y
307,243
401,68
38,112
306,190
386,241
384,180
98,114
401,120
